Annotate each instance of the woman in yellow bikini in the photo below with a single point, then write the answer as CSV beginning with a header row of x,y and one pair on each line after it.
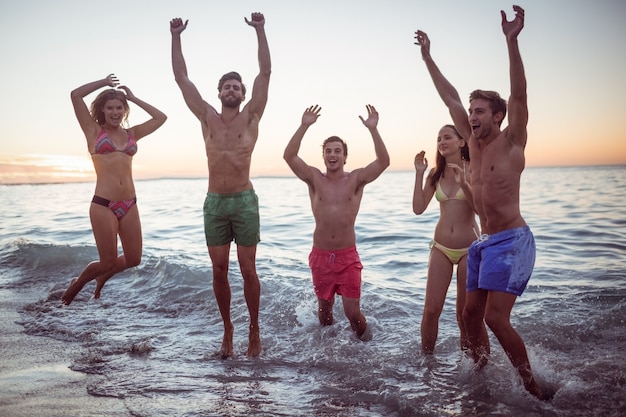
x,y
455,230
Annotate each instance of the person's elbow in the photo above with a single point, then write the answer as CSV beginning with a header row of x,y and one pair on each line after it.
x,y
384,161
179,78
418,209
288,157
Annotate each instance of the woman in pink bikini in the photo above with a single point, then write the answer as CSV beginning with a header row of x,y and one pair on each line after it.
x,y
455,230
113,208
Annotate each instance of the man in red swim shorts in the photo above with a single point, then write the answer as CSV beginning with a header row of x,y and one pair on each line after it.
x,y
335,200
336,272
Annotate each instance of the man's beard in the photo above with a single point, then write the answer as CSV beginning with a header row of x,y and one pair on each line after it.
x,y
231,102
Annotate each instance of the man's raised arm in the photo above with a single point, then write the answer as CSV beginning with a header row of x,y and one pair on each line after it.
x,y
262,80
376,167
190,92
518,101
297,165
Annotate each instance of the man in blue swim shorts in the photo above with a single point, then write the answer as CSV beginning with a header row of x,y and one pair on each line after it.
x,y
499,264
335,201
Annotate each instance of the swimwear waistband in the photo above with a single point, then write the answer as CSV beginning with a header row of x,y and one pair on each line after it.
x,y
516,231
337,251
231,195
104,202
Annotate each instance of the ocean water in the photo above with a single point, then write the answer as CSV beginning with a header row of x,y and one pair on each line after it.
x,y
150,340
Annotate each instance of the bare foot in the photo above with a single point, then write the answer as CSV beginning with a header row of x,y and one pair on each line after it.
x,y
227,349
71,292
254,342
100,281
534,389
366,336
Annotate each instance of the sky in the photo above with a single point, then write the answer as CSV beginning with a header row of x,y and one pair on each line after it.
x,y
339,54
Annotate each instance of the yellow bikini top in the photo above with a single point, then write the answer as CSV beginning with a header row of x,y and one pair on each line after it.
x,y
441,196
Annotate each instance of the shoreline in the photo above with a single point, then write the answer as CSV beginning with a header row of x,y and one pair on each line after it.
x,y
35,375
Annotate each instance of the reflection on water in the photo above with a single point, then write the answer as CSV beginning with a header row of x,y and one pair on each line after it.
x,y
152,336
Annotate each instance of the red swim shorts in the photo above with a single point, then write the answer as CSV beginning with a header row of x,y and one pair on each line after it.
x,y
336,271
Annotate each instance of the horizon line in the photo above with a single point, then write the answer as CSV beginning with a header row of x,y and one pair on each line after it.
x,y
69,180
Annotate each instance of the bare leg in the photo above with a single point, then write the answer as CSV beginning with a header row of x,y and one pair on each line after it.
x,y
132,245
497,316
325,311
120,265
106,228
252,293
221,288
461,276
92,271
439,277
351,307
473,317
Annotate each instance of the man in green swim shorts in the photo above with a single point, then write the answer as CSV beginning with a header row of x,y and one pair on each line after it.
x,y
229,217
231,209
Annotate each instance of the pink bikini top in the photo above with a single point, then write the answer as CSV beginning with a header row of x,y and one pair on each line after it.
x,y
104,144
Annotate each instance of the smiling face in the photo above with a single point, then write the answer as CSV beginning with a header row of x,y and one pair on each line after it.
x,y
231,94
334,154
114,112
486,113
482,120
110,107
449,143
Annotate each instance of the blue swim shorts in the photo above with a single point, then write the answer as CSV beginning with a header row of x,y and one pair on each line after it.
x,y
503,261
229,217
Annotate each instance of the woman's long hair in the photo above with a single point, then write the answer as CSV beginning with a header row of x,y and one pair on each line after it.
x,y
440,164
102,98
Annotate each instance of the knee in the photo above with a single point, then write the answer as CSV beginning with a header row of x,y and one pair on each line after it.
x,y
247,267
495,321
132,261
354,315
249,274
220,270
470,314
431,312
107,265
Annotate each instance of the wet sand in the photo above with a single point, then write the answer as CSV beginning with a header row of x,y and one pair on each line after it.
x,y
35,375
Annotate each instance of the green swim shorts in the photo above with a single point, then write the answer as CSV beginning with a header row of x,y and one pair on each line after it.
x,y
229,217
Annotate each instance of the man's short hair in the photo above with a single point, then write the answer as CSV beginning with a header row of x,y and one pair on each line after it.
x,y
496,103
336,139
231,76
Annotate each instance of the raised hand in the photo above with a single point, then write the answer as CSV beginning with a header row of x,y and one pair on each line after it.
x,y
310,115
421,163
459,172
256,20
372,117
129,94
112,80
513,28
421,39
177,25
